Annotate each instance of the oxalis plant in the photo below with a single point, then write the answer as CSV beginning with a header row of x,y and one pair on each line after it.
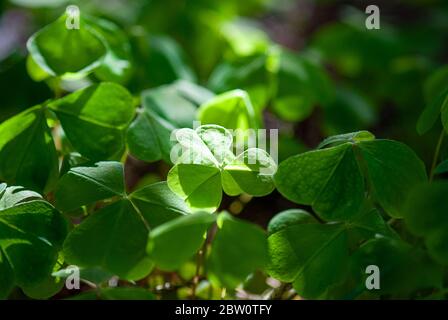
x,y
67,212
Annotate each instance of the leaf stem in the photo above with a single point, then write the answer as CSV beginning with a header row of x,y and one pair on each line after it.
x,y
199,262
436,155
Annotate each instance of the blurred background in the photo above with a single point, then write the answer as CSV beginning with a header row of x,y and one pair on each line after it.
x,y
334,75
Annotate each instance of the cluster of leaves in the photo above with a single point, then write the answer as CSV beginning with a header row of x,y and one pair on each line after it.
x,y
368,201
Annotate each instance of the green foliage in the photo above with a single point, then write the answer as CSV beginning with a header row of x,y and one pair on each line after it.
x,y
84,52
386,169
231,110
228,247
165,109
302,249
31,233
103,165
175,242
27,151
426,217
291,84
206,165
115,236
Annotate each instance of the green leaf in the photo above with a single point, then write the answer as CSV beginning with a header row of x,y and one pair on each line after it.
x,y
88,184
175,242
158,204
287,218
346,137
442,167
166,61
301,84
393,258
113,238
252,171
27,151
393,169
348,111
389,168
315,178
116,65
198,185
426,210
253,74
123,293
31,233
312,256
95,119
61,51
430,114
206,164
231,110
227,248
165,109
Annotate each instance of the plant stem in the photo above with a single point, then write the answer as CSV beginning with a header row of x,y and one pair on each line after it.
x,y
199,262
436,155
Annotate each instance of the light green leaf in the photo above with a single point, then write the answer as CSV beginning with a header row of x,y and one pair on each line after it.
x,y
353,137
88,184
312,256
95,119
198,185
236,241
165,109
27,151
61,51
175,242
232,110
252,171
201,169
116,65
393,169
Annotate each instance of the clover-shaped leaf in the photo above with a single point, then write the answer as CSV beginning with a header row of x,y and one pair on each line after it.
x,y
206,164
63,51
314,256
31,233
232,110
114,237
95,119
388,169
27,151
165,109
